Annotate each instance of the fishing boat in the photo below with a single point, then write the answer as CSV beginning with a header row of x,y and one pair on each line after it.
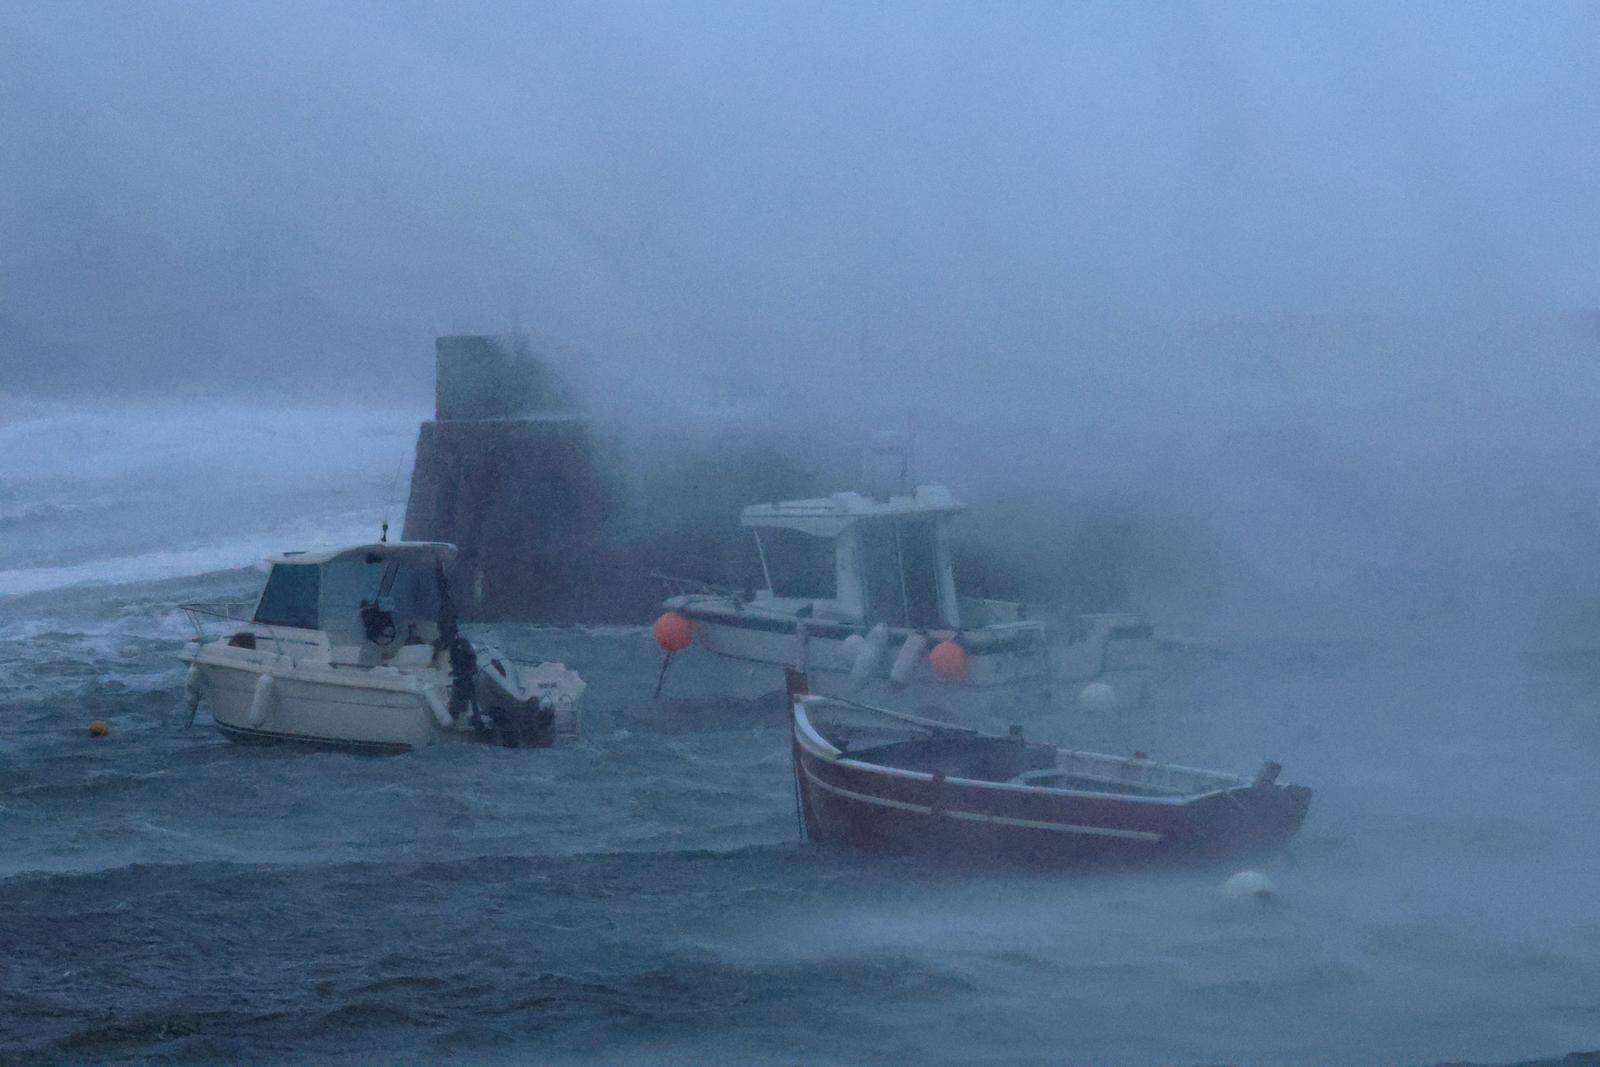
x,y
860,593
360,647
886,781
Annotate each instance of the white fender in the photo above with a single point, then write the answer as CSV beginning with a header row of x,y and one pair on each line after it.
x,y
906,662
852,646
439,706
867,654
261,702
194,688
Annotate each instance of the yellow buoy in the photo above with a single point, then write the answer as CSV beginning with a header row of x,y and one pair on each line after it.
x,y
98,728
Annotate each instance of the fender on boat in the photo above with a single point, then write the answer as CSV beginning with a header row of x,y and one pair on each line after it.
x,y
261,702
867,654
194,687
906,661
440,708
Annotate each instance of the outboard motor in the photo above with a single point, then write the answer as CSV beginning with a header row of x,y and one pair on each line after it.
x,y
515,705
517,717
527,707
463,672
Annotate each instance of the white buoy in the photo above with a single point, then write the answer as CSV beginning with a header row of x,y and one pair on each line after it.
x,y
1097,696
1249,887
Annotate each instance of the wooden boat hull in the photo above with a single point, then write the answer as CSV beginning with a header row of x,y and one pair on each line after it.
x,y
882,809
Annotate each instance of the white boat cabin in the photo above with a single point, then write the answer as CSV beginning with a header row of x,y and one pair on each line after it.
x,y
378,599
862,561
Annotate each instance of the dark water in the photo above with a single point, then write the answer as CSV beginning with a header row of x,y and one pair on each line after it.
x,y
642,896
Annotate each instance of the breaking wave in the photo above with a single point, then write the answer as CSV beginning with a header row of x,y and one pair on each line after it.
x,y
123,494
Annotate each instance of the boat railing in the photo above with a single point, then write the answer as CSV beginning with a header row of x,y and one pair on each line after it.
x,y
212,612
982,611
676,586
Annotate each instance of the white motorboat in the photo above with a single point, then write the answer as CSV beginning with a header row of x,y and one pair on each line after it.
x,y
861,595
359,647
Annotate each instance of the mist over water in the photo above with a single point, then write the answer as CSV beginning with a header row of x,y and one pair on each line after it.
x,y
1277,324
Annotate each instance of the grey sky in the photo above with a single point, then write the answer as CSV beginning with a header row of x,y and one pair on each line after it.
x,y
253,196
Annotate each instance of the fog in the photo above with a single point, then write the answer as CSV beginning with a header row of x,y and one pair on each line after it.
x,y
1278,323
228,196
1233,266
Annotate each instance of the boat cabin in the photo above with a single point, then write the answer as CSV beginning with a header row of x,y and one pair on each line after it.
x,y
388,594
856,559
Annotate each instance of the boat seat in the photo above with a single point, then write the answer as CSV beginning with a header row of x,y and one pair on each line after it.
x,y
413,656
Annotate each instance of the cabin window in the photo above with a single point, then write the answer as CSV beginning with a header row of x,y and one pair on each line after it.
x,y
800,566
404,587
290,598
880,565
414,589
345,584
919,563
900,562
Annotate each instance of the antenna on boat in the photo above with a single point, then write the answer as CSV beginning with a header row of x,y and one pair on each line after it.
x,y
394,492
888,463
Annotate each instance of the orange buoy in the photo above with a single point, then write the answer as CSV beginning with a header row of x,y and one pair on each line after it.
x,y
673,632
98,728
949,660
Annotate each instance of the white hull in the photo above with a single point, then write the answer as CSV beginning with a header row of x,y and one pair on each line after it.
x,y
1037,673
310,702
316,706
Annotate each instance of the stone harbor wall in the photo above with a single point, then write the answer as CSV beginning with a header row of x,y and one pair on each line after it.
x,y
506,471
555,525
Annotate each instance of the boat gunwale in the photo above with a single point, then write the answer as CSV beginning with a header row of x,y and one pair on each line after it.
x,y
819,748
994,639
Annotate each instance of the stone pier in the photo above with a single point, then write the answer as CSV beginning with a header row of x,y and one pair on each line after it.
x,y
506,471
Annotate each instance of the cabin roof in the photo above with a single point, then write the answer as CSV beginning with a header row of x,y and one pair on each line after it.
x,y
829,516
420,551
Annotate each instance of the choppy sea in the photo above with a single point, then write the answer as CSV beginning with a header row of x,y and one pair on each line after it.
x,y
642,896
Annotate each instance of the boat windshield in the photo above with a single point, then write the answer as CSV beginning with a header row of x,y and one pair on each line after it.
x,y
407,589
799,565
290,598
900,561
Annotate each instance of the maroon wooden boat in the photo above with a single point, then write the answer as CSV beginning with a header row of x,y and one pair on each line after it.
x,y
890,782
